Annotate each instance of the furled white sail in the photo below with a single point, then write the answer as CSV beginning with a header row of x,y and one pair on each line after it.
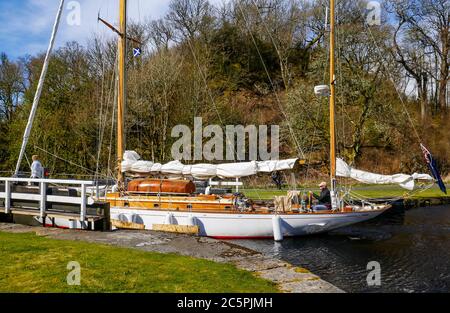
x,y
200,171
403,180
132,163
231,170
172,168
275,165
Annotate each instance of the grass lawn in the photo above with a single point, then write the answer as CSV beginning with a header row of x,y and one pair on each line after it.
x,y
30,263
371,191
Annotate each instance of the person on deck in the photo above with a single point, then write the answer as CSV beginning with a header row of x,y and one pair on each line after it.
x,y
324,198
37,171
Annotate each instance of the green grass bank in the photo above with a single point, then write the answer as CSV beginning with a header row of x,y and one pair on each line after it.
x,y
31,263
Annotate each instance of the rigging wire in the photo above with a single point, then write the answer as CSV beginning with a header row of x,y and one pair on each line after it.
x,y
100,116
113,116
327,47
65,160
380,55
308,159
341,77
299,149
344,183
411,122
395,197
139,11
28,161
204,78
213,101
103,116
277,98
340,67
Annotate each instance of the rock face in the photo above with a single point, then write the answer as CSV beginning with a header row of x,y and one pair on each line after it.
x,y
288,278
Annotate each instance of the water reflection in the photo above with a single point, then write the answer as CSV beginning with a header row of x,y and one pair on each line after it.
x,y
412,246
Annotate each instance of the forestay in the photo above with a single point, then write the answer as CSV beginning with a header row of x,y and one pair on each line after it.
x,y
403,180
174,169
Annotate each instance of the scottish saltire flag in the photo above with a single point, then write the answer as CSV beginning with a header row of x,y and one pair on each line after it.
x,y
136,52
433,168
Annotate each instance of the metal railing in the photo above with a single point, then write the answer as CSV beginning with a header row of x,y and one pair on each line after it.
x,y
42,198
235,183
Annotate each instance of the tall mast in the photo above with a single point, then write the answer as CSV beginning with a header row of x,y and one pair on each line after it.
x,y
122,89
332,97
40,85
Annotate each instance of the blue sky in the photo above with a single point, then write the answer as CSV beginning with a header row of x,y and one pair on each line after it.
x,y
26,24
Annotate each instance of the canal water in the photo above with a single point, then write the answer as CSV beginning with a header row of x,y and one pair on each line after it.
x,y
412,247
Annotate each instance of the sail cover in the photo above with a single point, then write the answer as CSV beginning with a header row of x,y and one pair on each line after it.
x,y
200,171
275,165
403,180
237,170
132,163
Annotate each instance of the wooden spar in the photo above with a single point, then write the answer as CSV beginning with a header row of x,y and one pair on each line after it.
x,y
332,97
121,101
122,90
117,31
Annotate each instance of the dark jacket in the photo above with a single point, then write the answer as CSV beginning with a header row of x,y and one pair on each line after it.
x,y
325,197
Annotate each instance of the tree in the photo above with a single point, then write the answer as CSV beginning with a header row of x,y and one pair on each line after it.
x,y
12,86
251,62
425,24
161,33
190,18
242,59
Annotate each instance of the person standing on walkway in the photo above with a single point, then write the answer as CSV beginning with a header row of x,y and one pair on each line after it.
x,y
37,171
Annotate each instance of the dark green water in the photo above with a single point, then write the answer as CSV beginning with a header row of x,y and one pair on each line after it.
x,y
412,247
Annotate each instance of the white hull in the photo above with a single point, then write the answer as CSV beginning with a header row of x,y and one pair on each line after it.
x,y
246,225
229,225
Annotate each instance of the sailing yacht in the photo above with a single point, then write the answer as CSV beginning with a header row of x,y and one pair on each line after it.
x,y
165,195
153,201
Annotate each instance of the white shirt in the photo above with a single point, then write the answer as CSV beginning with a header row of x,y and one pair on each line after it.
x,y
37,171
